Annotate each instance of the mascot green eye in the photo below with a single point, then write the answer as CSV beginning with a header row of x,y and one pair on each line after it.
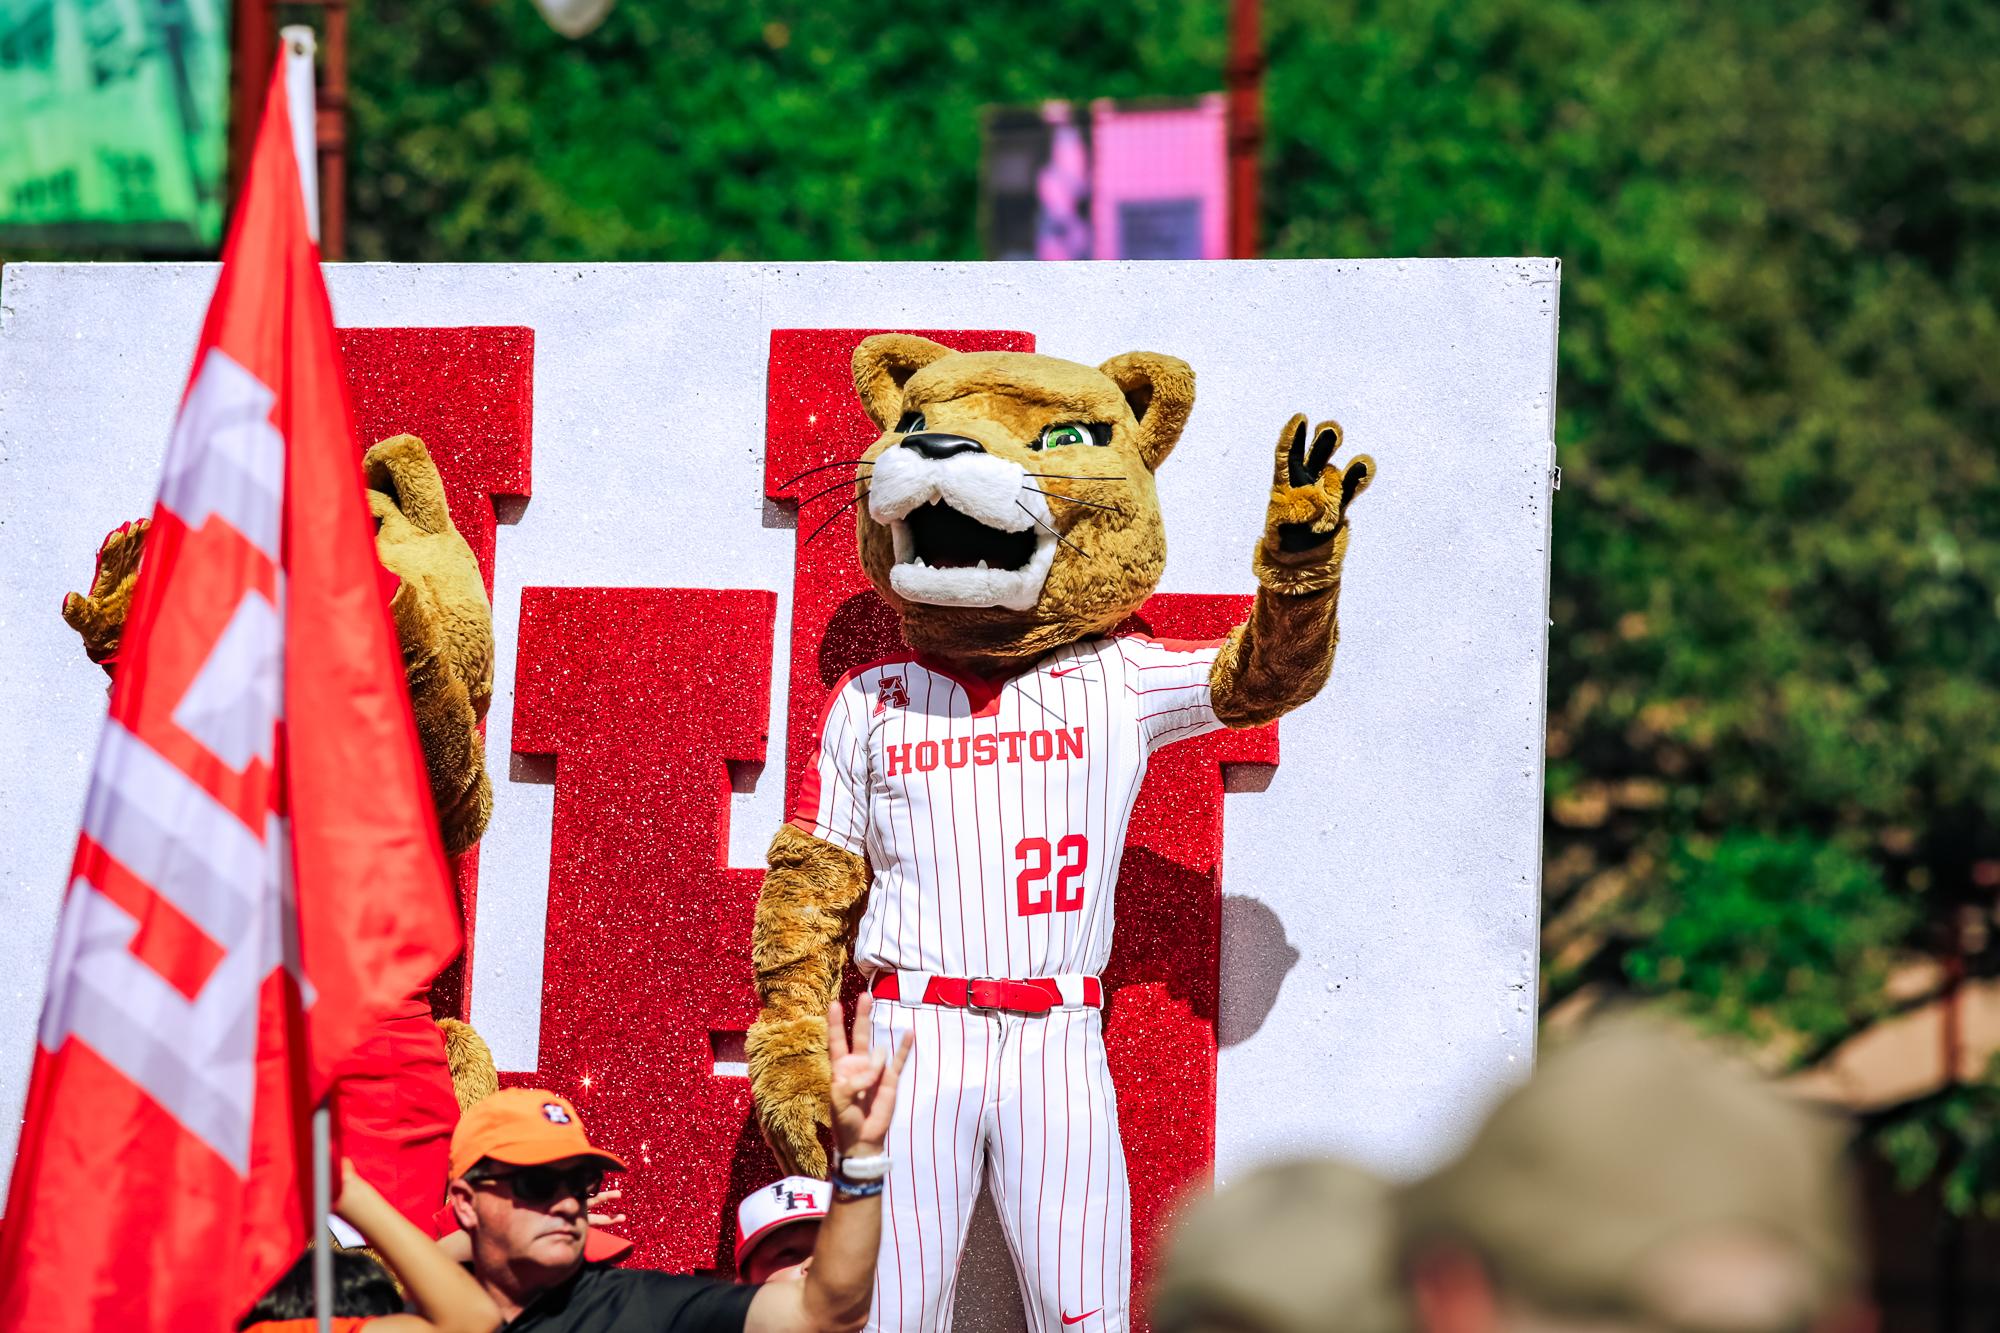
x,y
1069,432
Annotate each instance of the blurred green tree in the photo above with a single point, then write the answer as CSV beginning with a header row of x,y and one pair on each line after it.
x,y
720,129
1774,732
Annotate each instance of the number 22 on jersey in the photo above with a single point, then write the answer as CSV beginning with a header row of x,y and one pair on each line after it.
x,y
1032,896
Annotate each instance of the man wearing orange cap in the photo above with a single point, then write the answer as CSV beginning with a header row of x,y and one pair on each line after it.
x,y
523,1169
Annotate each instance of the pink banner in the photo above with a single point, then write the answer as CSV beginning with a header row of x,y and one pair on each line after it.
x,y
1159,181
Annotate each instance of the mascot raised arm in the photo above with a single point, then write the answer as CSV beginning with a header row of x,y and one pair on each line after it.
x,y
962,822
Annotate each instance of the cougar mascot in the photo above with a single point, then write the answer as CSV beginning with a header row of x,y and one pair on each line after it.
x,y
961,827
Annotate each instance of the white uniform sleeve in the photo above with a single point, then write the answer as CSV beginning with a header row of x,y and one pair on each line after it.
x,y
1169,683
833,795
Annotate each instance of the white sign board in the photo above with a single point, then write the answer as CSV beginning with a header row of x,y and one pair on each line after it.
x,y
1380,917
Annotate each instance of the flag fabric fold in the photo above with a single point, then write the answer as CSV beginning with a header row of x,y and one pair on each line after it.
x,y
258,878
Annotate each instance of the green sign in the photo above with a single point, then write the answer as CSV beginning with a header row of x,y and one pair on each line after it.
x,y
113,118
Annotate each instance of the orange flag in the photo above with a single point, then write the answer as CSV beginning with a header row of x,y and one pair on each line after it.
x,y
258,878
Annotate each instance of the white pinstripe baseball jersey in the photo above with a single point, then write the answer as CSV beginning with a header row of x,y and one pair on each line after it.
x,y
993,817
993,813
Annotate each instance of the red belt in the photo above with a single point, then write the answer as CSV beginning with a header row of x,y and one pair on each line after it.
x,y
1036,995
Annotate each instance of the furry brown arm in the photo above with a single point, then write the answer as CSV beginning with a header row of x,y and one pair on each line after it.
x,y
447,727
445,627
812,895
1281,655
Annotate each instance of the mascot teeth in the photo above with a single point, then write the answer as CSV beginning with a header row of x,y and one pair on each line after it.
x,y
966,530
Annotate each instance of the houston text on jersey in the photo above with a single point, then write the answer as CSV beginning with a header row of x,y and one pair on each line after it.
x,y
983,751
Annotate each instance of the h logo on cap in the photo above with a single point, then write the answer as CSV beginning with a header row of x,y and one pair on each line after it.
x,y
555,1113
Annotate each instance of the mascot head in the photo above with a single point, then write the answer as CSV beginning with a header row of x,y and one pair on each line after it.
x,y
1009,508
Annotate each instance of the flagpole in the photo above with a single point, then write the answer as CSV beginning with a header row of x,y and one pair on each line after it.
x,y
301,106
301,110
322,1205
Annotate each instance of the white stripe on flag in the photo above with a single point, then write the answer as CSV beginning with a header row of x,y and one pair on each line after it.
x,y
233,704
159,824
225,457
197,1058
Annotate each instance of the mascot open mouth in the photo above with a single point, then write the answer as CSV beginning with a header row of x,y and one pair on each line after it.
x,y
943,538
949,558
967,531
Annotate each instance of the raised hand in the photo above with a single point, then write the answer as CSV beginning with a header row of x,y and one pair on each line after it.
x,y
863,1085
1309,496
598,1210
1305,525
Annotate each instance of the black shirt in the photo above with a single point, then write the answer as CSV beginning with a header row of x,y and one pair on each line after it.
x,y
634,1300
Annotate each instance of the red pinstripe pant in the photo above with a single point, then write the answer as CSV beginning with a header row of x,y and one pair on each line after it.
x,y
1030,1098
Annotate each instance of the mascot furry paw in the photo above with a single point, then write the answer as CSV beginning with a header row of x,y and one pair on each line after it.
x,y
98,616
962,824
402,1093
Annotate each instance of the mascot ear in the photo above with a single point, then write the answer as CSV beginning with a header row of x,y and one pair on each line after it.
x,y
883,364
1160,391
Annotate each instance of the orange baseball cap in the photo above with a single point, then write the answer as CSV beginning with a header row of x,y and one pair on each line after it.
x,y
522,1127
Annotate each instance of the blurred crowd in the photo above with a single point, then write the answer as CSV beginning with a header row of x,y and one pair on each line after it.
x,y
1636,1183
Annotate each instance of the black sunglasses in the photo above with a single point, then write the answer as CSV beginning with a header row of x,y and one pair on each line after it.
x,y
538,1185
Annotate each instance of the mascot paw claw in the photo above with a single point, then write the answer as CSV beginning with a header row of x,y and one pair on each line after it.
x,y
1305,534
99,615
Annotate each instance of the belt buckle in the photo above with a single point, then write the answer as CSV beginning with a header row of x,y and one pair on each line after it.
x,y
972,1004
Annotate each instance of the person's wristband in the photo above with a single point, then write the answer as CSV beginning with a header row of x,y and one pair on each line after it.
x,y
862,1169
843,1188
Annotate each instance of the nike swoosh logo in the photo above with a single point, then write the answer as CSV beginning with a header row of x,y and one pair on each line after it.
x,y
1064,672
1079,1318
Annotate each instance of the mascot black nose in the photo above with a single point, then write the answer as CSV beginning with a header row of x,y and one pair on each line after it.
x,y
938,444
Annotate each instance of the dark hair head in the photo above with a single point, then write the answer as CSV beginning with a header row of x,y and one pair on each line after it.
x,y
361,1287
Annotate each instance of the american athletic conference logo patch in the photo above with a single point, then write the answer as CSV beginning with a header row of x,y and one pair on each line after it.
x,y
554,1113
891,693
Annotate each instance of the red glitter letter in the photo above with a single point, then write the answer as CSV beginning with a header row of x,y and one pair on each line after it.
x,y
645,697
1164,975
